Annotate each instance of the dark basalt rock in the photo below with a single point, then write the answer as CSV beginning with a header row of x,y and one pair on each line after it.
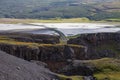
x,y
54,56
95,38
68,52
13,68
37,38
99,45
77,68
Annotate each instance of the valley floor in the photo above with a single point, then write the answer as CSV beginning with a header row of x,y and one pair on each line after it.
x,y
85,57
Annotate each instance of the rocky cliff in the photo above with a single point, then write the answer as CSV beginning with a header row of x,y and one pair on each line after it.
x,y
45,53
36,38
99,45
69,59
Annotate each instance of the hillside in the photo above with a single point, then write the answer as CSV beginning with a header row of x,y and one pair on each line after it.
x,y
44,9
21,69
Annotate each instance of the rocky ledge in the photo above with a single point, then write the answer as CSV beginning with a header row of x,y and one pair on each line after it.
x,y
36,38
99,45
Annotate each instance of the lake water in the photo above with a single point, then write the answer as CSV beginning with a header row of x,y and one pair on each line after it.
x,y
68,29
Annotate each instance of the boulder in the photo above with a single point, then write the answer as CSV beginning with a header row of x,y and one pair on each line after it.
x,y
77,67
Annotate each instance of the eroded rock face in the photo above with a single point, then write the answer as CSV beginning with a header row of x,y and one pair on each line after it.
x,y
37,38
77,68
13,68
48,54
99,45
59,58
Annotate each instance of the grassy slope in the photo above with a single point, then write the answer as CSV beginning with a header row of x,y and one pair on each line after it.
x,y
110,69
107,69
108,76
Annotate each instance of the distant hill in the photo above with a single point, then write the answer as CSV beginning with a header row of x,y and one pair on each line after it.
x,y
44,9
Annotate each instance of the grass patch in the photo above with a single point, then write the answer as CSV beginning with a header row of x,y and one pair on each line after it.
x,y
113,20
106,65
99,76
54,20
108,76
107,69
72,37
63,77
10,41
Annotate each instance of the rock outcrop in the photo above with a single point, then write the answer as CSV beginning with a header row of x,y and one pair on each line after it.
x,y
47,53
62,58
78,68
99,45
37,38
13,68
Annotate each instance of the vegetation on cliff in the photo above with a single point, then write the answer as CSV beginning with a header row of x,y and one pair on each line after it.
x,y
105,68
53,54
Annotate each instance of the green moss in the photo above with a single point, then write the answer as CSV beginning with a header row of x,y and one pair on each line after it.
x,y
4,38
107,69
106,65
7,40
108,76
72,37
113,20
63,77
